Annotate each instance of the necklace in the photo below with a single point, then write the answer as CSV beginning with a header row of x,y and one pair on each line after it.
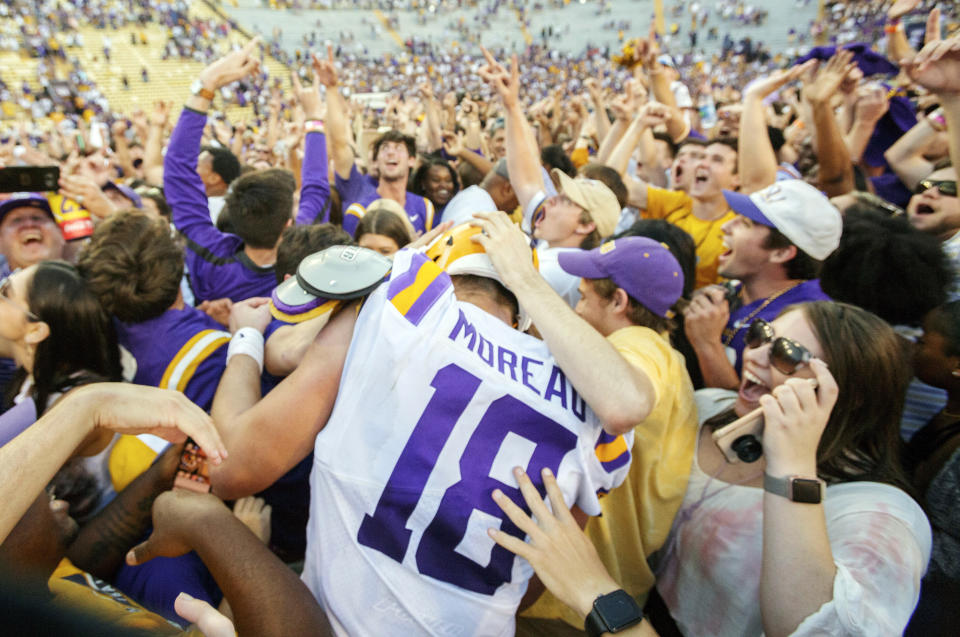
x,y
949,414
729,335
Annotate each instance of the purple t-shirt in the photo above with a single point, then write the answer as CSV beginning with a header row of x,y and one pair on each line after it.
x,y
180,349
358,191
737,325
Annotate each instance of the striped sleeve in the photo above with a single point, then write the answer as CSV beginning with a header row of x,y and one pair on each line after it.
x,y
181,369
352,216
428,217
312,313
612,451
415,289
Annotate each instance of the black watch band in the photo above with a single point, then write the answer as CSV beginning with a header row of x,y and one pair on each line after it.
x,y
612,613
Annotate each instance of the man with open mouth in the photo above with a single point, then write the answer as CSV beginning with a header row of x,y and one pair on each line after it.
x,y
935,209
28,232
773,248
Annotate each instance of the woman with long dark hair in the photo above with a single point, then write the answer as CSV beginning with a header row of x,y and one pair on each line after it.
x,y
54,328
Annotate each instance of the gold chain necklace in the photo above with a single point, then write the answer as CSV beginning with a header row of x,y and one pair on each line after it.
x,y
746,321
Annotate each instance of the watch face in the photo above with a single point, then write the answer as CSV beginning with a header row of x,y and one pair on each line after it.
x,y
618,610
805,490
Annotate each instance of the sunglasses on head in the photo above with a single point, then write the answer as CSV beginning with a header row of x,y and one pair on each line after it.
x,y
947,188
786,355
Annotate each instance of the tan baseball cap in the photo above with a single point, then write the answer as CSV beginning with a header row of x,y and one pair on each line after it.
x,y
595,197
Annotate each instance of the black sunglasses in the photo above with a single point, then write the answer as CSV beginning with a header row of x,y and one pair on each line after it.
x,y
786,355
947,188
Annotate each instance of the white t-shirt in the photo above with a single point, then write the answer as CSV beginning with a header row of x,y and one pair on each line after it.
x,y
460,209
563,283
438,402
951,247
710,571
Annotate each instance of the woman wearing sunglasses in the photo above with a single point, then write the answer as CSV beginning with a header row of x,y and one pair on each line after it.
x,y
818,536
59,336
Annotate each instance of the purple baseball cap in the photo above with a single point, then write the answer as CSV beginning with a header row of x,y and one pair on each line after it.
x,y
127,192
24,199
644,268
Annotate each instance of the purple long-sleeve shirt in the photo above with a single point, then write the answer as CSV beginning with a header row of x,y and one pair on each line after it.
x,y
314,181
217,263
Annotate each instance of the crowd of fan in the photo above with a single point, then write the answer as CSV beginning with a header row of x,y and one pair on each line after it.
x,y
604,259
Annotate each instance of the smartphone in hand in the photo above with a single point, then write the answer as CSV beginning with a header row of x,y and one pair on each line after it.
x,y
742,440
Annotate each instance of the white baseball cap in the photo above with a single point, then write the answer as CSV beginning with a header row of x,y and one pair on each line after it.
x,y
799,211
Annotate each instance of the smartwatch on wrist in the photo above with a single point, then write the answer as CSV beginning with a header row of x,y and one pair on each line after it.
x,y
796,488
612,613
198,89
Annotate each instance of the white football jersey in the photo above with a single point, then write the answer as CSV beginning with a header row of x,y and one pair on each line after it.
x,y
437,403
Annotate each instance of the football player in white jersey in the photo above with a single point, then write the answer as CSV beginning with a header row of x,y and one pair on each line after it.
x,y
417,406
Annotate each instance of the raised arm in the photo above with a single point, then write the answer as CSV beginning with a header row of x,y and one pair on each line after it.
x,y
431,119
898,47
905,156
871,105
523,155
650,115
756,158
337,123
182,185
624,108
153,144
620,394
314,172
453,144
836,170
600,120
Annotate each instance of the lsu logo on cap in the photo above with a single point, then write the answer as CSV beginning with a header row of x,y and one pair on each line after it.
x,y
609,246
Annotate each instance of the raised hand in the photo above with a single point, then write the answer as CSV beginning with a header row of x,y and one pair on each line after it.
x,y
706,316
453,144
309,98
505,83
872,103
161,114
901,8
326,69
233,66
762,87
937,66
828,78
